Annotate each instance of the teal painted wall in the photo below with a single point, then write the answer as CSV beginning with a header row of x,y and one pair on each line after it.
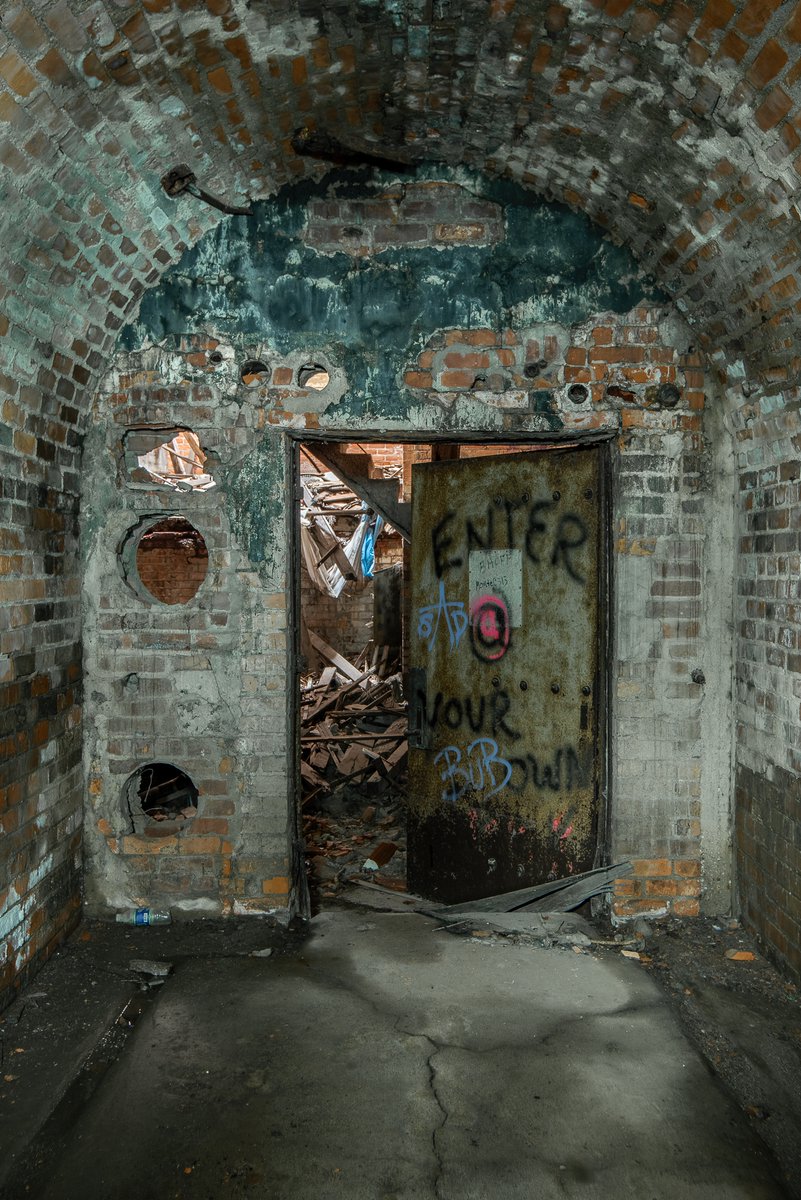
x,y
253,280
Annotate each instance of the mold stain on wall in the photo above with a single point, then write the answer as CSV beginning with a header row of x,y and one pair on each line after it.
x,y
261,278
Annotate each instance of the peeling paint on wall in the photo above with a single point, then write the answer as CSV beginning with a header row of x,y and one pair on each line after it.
x,y
255,495
257,278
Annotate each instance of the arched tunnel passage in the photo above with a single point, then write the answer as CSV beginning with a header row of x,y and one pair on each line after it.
x,y
682,143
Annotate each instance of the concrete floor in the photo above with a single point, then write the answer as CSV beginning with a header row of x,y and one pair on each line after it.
x,y
386,1059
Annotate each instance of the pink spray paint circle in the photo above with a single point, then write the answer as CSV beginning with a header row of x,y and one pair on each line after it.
x,y
490,628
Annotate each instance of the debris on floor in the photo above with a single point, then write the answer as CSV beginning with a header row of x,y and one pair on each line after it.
x,y
549,929
353,771
148,966
340,848
354,730
744,1018
556,895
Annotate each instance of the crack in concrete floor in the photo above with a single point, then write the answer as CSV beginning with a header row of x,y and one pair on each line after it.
x,y
403,1064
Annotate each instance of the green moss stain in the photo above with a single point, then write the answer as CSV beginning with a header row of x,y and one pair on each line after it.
x,y
253,280
255,497
545,407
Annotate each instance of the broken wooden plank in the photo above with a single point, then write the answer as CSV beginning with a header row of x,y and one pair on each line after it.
x,y
339,661
319,759
382,736
310,775
509,901
378,897
354,759
341,559
326,677
382,495
575,893
395,761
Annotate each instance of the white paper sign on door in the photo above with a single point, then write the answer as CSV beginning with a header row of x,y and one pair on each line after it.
x,y
498,573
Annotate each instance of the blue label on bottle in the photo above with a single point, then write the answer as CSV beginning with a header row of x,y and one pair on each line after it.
x,y
142,917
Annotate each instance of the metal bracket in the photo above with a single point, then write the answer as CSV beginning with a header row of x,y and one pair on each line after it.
x,y
182,178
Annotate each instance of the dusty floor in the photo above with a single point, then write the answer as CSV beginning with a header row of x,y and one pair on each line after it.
x,y
178,1090
341,839
745,1018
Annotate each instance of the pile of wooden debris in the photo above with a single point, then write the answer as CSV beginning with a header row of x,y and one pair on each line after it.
x,y
353,750
354,729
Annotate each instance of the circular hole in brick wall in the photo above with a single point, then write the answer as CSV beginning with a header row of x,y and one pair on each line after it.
x,y
312,375
255,373
163,792
577,393
668,395
172,560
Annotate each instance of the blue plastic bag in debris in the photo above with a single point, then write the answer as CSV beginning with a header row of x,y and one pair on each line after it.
x,y
368,545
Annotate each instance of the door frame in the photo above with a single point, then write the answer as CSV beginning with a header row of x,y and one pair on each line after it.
x,y
300,901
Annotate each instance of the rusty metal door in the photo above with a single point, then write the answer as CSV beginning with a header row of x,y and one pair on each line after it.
x,y
505,685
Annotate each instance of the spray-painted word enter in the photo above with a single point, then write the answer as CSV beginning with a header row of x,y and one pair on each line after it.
x,y
511,524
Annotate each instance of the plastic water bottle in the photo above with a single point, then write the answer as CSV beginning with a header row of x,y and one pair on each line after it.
x,y
143,916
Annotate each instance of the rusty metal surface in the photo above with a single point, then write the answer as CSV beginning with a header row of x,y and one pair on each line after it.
x,y
505,687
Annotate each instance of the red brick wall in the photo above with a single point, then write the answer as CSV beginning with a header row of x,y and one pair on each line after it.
x,y
345,622
172,564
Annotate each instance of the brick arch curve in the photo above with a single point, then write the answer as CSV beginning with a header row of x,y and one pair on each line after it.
x,y
675,126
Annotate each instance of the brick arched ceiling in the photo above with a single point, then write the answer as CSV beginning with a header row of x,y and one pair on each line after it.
x,y
675,125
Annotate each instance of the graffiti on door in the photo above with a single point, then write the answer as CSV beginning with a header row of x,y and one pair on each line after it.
x,y
489,553
504,686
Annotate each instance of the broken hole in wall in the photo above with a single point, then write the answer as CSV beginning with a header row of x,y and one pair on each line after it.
x,y
313,375
165,560
160,793
255,373
172,457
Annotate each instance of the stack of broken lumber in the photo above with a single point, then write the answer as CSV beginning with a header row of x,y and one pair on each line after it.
x,y
353,733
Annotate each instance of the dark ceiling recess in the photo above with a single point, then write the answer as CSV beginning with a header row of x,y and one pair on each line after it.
x,y
312,143
182,179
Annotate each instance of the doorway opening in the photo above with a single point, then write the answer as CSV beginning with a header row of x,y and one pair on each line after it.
x,y
358,609
352,706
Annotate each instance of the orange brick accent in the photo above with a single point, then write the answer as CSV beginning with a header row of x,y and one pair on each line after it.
x,y
457,379
466,359
418,379
277,886
652,866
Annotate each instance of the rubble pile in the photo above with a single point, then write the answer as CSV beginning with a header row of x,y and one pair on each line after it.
x,y
353,773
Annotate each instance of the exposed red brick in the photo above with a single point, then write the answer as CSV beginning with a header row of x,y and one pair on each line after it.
x,y
54,68
769,62
220,80
755,16
15,73
716,15
733,47
792,29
